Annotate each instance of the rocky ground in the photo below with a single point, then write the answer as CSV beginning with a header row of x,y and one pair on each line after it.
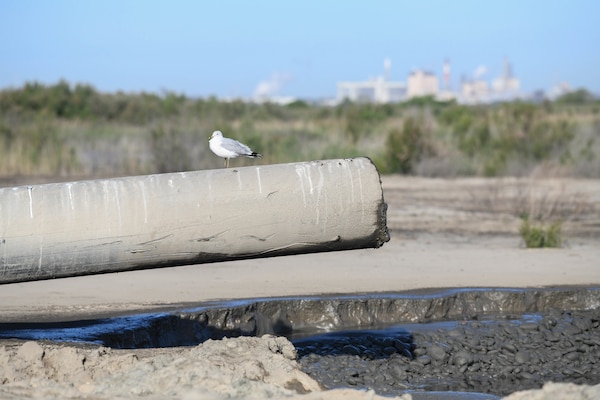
x,y
266,367
488,356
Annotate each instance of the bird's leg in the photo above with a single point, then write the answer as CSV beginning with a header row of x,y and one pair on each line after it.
x,y
227,163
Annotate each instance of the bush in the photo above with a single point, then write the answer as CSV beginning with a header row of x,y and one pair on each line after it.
x,y
406,146
49,128
579,96
169,150
540,237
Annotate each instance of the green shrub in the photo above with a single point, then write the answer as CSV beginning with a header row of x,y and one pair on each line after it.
x,y
406,146
536,236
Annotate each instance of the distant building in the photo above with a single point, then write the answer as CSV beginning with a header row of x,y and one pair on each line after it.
x,y
373,91
506,86
378,90
474,91
422,83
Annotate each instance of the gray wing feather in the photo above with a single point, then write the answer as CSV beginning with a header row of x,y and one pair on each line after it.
x,y
236,147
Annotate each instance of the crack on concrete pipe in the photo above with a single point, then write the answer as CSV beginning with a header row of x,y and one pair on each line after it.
x,y
110,225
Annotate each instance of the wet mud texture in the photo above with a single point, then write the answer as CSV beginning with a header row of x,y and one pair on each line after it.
x,y
485,340
495,357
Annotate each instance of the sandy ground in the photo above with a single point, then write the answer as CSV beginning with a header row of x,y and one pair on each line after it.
x,y
445,233
424,261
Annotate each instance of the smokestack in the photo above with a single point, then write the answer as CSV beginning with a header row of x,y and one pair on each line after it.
x,y
446,71
387,66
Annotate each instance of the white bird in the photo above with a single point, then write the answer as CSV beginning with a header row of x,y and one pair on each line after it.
x,y
229,148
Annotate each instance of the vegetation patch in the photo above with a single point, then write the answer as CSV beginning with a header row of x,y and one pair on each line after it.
x,y
65,129
540,236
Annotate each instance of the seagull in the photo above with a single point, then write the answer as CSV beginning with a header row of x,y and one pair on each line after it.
x,y
229,148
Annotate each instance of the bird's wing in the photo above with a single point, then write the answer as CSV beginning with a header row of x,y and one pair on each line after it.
x,y
235,146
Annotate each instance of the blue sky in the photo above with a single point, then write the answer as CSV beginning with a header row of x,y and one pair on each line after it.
x,y
292,48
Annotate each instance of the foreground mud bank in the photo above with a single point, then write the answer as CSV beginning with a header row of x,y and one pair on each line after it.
x,y
295,317
241,368
485,342
237,368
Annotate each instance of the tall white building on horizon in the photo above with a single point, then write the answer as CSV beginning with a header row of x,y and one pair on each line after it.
x,y
422,83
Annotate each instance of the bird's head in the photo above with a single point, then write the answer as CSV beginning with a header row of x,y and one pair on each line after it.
x,y
216,134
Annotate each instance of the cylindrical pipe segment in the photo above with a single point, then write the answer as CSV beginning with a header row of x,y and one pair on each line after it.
x,y
108,225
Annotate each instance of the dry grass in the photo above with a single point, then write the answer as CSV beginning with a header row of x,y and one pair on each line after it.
x,y
544,205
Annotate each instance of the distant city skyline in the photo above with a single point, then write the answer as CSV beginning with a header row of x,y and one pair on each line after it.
x,y
296,49
471,89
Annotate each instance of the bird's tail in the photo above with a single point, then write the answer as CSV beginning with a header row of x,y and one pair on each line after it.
x,y
255,155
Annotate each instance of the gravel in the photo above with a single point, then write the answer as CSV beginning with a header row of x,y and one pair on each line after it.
x,y
496,357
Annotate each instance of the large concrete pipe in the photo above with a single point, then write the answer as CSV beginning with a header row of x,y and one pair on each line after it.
x,y
88,227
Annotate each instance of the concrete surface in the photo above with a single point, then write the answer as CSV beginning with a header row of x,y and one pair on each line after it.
x,y
87,227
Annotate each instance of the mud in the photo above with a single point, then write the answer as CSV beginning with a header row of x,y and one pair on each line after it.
x,y
295,317
496,357
489,342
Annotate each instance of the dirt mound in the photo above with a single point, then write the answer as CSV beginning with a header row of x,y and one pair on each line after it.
x,y
247,367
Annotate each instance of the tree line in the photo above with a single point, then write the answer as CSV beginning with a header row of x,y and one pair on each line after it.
x,y
65,129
